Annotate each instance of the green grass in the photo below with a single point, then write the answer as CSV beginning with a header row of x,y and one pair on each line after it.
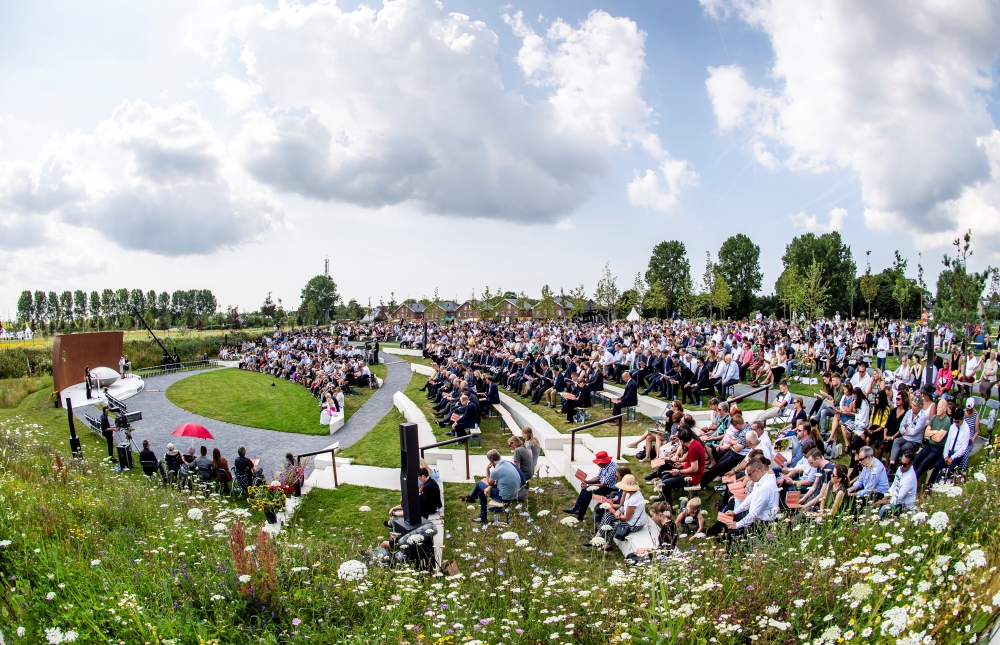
x,y
380,447
14,390
335,513
247,398
353,403
419,360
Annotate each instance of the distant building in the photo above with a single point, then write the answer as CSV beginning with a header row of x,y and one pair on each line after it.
x,y
467,311
409,311
438,311
548,308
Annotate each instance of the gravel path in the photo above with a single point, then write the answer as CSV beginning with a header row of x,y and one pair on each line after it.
x,y
161,417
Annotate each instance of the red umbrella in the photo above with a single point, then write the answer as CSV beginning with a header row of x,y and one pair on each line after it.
x,y
192,430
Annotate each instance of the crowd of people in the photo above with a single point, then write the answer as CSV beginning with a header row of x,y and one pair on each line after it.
x,y
901,429
195,467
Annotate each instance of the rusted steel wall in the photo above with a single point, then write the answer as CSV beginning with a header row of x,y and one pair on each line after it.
x,y
73,353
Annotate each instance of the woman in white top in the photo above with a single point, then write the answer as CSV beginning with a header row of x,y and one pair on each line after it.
x,y
631,509
989,375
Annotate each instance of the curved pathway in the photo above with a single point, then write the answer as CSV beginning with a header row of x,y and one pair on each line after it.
x,y
161,417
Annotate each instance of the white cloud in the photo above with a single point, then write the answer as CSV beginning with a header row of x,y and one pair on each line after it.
x,y
660,192
238,95
407,104
893,91
156,179
811,224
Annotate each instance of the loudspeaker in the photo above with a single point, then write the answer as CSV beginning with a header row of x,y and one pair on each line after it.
x,y
409,462
74,441
125,456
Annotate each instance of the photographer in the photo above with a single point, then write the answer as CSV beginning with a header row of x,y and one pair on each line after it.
x,y
108,432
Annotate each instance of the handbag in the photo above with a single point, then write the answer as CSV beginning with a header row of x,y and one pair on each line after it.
x,y
623,529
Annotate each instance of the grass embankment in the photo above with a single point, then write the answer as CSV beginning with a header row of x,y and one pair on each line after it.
x,y
110,558
492,436
14,390
380,446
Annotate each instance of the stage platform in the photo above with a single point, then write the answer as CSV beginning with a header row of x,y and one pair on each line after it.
x,y
123,388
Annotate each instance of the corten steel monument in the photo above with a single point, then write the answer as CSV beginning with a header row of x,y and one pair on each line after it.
x,y
73,353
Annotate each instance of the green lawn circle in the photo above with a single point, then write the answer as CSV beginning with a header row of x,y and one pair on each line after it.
x,y
248,399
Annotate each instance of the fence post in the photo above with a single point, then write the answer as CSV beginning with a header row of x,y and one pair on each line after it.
x,y
572,446
766,392
619,438
333,454
468,472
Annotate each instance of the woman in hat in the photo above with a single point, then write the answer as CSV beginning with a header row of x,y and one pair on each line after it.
x,y
605,483
631,509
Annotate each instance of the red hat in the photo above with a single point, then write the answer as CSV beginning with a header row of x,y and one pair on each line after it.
x,y
602,458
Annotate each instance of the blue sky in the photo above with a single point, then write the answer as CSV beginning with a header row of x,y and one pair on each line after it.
x,y
140,149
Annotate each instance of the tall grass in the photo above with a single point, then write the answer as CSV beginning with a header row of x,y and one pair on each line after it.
x,y
112,558
14,390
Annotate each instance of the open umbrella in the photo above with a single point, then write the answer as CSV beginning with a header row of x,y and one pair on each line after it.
x,y
192,430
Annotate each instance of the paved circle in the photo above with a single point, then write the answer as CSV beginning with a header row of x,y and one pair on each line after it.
x,y
161,417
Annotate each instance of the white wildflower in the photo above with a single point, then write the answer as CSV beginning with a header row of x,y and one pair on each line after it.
x,y
980,477
54,636
352,570
860,591
975,559
364,509
4,543
897,539
50,596
918,518
831,634
508,535
598,541
826,563
882,546
70,636
543,513
195,514
894,621
95,563
569,520
220,527
521,544
939,521
245,579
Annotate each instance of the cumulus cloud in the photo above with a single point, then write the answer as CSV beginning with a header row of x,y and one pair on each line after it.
x,y
407,104
156,179
238,95
893,91
811,224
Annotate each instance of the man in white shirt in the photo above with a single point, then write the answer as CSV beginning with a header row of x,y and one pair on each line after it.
x,y
882,349
730,375
911,431
955,445
781,403
862,379
761,505
903,492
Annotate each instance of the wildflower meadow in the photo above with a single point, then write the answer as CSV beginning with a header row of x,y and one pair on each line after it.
x,y
90,555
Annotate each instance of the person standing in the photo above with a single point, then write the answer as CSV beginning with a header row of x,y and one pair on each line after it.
x,y
108,432
86,380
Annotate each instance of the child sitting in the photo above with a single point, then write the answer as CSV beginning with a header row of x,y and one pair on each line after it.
x,y
691,515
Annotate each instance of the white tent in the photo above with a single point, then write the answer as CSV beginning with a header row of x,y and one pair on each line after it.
x,y
633,316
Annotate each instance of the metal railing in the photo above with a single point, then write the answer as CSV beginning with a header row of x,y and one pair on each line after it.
x,y
333,457
170,368
764,388
465,439
572,434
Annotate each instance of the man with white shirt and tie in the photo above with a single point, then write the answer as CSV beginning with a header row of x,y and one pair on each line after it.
x,y
730,375
955,445
903,492
911,431
759,507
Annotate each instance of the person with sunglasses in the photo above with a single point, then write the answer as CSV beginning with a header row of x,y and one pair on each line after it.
x,y
903,492
873,483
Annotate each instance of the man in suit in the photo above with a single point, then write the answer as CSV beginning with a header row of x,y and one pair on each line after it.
x,y
596,381
699,378
430,494
630,397
491,396
468,416
558,385
730,375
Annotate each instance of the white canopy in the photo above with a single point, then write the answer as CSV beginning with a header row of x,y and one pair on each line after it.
x,y
633,316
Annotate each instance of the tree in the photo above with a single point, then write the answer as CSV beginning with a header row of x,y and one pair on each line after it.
x,y
655,299
707,282
578,300
669,266
788,288
958,289
354,310
40,310
96,308
66,306
739,265
268,309
835,261
25,308
722,296
546,292
151,302
813,293
869,289
606,292
639,287
688,303
80,311
52,309
321,293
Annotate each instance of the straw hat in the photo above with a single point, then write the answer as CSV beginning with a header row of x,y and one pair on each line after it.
x,y
628,483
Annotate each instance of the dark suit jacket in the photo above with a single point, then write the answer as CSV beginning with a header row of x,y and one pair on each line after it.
x,y
430,498
596,382
492,394
630,396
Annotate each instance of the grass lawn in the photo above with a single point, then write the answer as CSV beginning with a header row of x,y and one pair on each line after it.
x,y
380,447
334,515
247,398
419,360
